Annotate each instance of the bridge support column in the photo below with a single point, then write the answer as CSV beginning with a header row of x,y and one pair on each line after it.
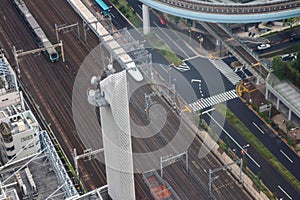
x,y
146,19
267,94
246,27
194,23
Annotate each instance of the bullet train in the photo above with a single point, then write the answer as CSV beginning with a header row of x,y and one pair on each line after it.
x,y
36,30
107,38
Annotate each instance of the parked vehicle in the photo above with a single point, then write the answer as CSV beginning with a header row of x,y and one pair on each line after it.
x,y
294,37
288,57
162,20
263,46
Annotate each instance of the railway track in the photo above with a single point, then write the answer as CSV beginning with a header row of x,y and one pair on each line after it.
x,y
175,174
37,79
51,86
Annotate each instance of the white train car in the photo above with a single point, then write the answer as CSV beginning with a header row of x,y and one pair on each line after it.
x,y
102,33
36,30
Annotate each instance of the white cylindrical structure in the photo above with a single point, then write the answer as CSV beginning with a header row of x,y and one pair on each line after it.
x,y
146,19
116,133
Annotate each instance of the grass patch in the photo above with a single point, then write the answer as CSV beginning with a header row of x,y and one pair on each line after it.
x,y
70,167
129,13
160,46
254,141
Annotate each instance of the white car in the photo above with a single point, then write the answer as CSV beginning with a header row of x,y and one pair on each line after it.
x,y
288,57
263,46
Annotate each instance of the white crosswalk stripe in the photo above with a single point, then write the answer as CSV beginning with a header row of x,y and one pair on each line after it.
x,y
184,67
226,71
213,100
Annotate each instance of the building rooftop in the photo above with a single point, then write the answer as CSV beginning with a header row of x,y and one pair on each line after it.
x,y
8,81
40,176
18,119
43,176
290,93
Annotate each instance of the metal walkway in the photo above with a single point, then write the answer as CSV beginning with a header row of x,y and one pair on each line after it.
x,y
226,71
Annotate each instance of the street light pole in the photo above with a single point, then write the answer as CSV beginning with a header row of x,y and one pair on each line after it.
x,y
200,38
190,31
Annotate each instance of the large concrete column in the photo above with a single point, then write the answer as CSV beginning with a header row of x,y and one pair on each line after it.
x,y
277,104
290,115
116,135
194,23
146,19
267,93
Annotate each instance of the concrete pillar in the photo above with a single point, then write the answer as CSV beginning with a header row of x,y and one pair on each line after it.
x,y
267,93
146,19
194,23
246,27
290,115
277,104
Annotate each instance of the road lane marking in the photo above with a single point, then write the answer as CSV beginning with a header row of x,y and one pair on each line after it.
x,y
258,128
285,192
182,68
187,108
163,67
195,80
286,156
202,113
217,123
190,58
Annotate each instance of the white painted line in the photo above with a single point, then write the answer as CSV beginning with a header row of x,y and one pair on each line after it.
x,y
285,192
286,156
195,80
207,111
214,100
163,68
258,128
112,15
190,58
233,140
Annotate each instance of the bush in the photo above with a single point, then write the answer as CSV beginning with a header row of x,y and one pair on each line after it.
x,y
291,142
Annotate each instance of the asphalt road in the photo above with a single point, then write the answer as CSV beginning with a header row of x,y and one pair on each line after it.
x,y
278,41
272,141
268,172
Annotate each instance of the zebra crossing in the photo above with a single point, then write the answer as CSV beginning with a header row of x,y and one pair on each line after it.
x,y
226,71
183,67
213,100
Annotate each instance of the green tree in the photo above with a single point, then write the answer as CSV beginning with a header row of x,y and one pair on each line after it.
x,y
279,68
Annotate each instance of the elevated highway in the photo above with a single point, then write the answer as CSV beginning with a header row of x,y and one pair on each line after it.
x,y
227,12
